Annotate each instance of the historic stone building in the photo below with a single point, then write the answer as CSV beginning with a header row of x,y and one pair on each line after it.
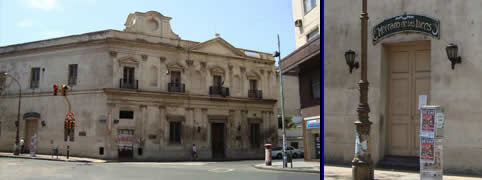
x,y
142,94
410,56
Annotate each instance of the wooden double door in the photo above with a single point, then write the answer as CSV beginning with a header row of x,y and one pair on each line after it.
x,y
409,77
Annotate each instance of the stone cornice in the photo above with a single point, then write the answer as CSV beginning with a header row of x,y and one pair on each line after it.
x,y
181,97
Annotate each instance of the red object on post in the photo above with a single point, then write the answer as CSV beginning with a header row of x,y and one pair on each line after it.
x,y
267,159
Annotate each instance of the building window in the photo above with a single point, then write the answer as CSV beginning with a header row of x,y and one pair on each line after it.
x,y
313,34
309,5
217,81
128,81
3,80
175,77
315,88
73,74
175,132
253,84
254,134
294,144
35,78
126,115
101,150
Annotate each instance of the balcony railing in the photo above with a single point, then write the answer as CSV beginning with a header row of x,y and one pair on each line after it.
x,y
176,87
255,94
125,84
219,90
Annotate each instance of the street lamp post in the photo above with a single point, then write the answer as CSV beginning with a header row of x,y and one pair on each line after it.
x,y
278,54
17,123
362,164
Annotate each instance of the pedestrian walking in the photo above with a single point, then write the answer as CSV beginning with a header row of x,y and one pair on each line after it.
x,y
194,152
22,145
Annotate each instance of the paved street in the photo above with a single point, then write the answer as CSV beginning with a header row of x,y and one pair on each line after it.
x,y
13,169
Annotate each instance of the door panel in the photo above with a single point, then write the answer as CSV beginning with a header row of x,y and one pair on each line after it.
x,y
409,77
217,136
31,130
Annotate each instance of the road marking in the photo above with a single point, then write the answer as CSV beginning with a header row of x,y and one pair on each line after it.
x,y
221,170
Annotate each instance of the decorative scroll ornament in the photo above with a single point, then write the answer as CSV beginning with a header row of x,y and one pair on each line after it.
x,y
406,23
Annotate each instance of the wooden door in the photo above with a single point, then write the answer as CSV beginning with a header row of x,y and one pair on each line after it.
x,y
217,138
409,77
31,130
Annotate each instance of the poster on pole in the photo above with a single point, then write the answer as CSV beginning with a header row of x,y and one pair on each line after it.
x,y
431,146
427,150
428,123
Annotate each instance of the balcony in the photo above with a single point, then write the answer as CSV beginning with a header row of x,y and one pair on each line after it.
x,y
128,84
176,87
255,94
218,91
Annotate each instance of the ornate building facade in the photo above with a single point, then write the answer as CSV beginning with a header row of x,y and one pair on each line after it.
x,y
142,94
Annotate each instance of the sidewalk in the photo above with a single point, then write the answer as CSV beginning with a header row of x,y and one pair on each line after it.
x,y
298,166
49,158
338,172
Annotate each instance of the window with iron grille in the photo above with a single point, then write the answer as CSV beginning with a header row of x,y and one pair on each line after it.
x,y
253,84
217,81
35,78
175,132
73,74
175,77
254,134
129,75
3,80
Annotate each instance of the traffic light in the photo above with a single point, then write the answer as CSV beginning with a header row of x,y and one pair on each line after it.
x,y
72,124
56,89
64,90
67,124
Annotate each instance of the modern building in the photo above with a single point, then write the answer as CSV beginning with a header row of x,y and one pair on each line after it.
x,y
304,62
142,93
414,51
294,130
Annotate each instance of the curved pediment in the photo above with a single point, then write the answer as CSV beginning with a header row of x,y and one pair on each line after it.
x,y
217,70
253,75
175,67
129,60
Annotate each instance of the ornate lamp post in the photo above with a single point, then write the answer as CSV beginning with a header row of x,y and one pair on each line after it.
x,y
362,164
17,123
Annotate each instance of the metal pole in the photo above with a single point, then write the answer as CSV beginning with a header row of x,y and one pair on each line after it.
x,y
282,105
362,164
17,123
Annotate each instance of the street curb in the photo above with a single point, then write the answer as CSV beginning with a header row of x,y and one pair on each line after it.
x,y
262,166
48,159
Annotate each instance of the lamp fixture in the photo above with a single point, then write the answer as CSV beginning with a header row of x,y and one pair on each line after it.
x,y
452,50
350,60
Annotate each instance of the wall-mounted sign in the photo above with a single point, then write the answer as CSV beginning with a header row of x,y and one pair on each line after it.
x,y
313,123
406,23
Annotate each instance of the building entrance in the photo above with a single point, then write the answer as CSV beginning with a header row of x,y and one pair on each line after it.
x,y
217,140
408,78
31,130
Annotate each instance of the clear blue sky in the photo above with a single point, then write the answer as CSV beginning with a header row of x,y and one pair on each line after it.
x,y
249,24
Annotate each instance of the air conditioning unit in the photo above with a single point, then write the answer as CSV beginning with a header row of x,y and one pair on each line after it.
x,y
298,23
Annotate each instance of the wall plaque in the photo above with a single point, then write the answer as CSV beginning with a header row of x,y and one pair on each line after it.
x,y
406,23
